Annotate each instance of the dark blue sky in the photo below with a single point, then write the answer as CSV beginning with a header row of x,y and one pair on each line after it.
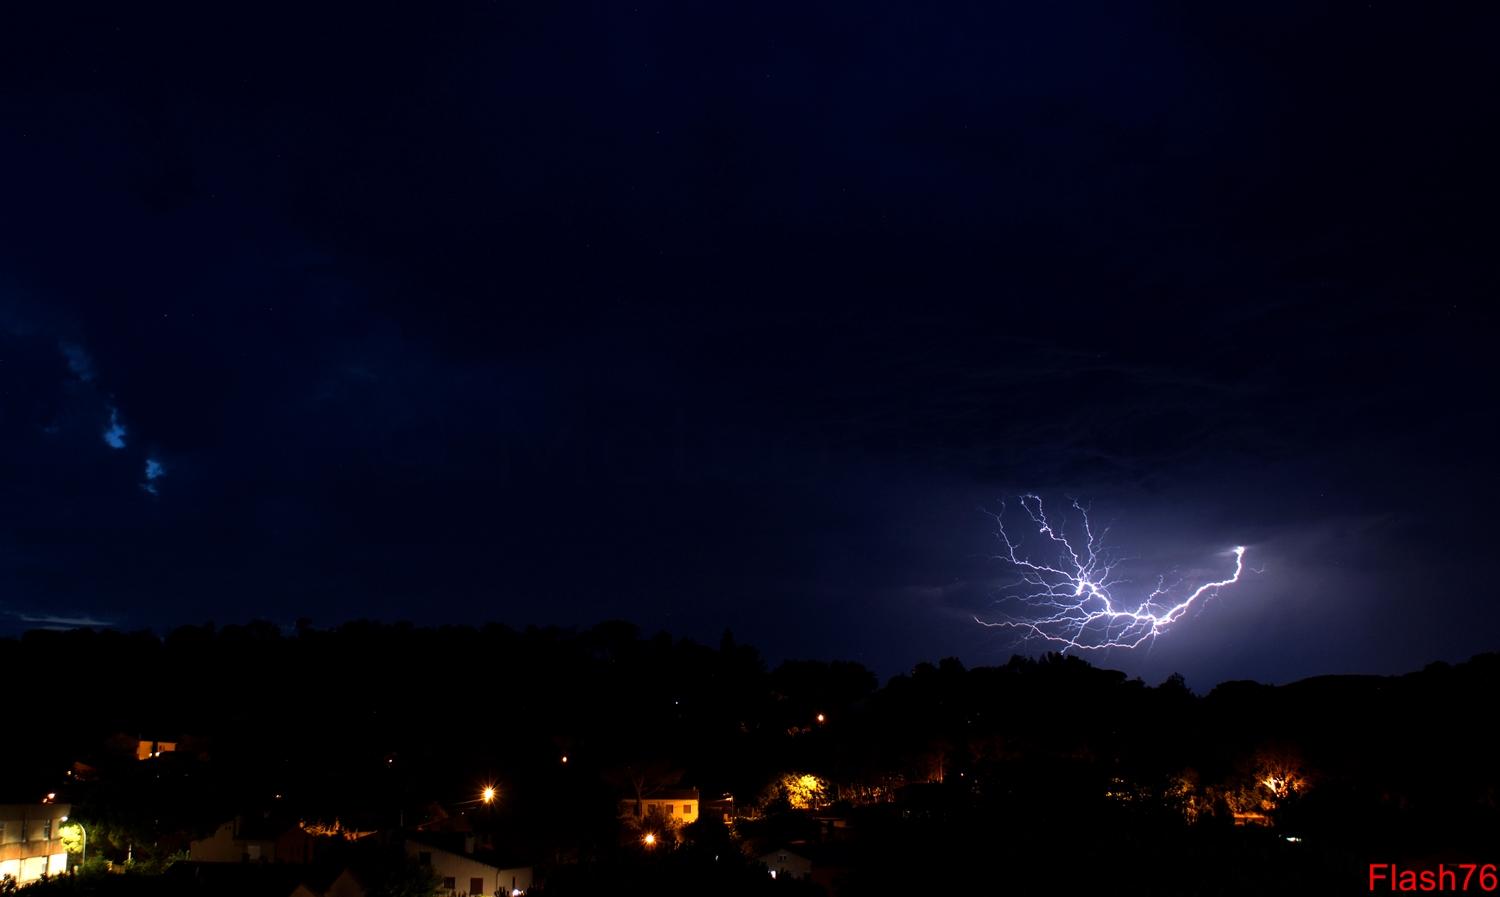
x,y
714,315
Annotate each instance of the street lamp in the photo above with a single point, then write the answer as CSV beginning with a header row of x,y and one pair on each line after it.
x,y
83,851
488,794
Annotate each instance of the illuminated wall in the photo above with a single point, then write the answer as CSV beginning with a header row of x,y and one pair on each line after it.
x,y
460,874
677,805
145,750
31,841
684,812
785,865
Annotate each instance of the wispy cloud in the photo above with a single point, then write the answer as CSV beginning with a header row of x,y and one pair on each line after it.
x,y
114,435
155,470
48,621
79,361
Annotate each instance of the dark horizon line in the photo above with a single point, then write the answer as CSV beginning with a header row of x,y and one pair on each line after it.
x,y
642,634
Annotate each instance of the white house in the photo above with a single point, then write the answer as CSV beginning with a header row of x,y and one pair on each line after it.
x,y
464,872
784,864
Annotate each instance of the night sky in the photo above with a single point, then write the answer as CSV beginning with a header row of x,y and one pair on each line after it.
x,y
742,316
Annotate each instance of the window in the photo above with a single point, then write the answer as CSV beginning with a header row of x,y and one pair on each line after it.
x,y
671,808
450,884
687,809
476,886
47,830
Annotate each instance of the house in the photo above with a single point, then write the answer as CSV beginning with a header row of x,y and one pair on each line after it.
x,y
31,841
824,864
146,749
721,806
82,772
251,840
232,880
466,872
345,884
157,746
785,863
677,805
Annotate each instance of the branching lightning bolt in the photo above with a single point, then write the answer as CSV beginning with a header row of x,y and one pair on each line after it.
x,y
1071,602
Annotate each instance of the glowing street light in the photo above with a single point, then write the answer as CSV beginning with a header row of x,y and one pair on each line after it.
x,y
488,794
822,719
649,840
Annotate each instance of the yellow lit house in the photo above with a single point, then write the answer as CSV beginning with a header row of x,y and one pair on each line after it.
x,y
147,750
31,841
678,805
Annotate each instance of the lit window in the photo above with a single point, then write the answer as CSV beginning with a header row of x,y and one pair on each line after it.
x,y
687,809
671,808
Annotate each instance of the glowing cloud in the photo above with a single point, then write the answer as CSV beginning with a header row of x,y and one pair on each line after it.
x,y
1070,601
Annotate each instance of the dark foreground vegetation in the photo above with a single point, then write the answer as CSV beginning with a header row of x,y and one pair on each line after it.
x,y
1046,774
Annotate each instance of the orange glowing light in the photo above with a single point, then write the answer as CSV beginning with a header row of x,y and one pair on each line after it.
x,y
488,794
